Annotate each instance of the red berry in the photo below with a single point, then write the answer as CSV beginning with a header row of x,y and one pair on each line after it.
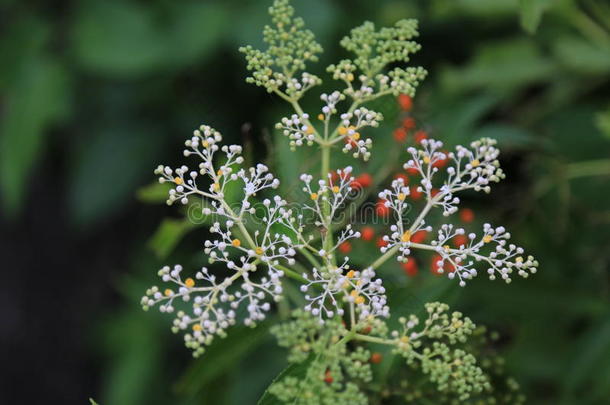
x,y
328,378
381,209
413,171
402,176
420,136
434,192
381,243
367,233
400,134
405,102
419,236
410,268
466,215
460,240
362,181
415,194
345,247
442,162
447,267
408,123
366,330
376,358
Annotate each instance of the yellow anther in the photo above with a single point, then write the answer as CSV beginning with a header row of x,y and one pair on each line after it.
x,y
216,186
321,117
519,259
259,251
310,130
342,130
189,282
236,242
350,274
314,196
359,300
487,238
426,159
168,292
446,247
354,293
401,196
219,172
359,282
205,144
178,180
356,136
457,324
345,285
196,327
475,163
404,339
406,237
336,189
350,77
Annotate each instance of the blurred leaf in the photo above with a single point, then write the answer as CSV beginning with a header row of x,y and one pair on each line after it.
x,y
506,135
124,38
107,169
531,13
582,56
603,122
153,193
505,65
93,402
221,357
167,236
37,99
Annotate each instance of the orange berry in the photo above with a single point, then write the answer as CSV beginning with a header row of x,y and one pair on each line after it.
x,y
419,236
420,136
466,215
345,247
404,177
362,181
405,102
376,358
381,209
400,134
328,378
189,282
367,233
410,268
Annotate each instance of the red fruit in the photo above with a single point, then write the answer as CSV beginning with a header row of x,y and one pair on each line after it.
x,y
466,215
413,171
351,141
328,378
362,181
443,162
367,233
376,358
381,243
408,123
381,209
434,192
404,177
400,134
410,268
420,136
345,247
366,330
419,236
447,267
416,195
460,240
405,102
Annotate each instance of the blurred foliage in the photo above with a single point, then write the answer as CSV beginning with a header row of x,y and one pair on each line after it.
x,y
113,88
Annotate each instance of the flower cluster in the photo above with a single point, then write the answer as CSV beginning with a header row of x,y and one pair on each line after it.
x,y
254,248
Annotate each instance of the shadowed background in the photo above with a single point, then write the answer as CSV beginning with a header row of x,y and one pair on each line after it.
x,y
95,94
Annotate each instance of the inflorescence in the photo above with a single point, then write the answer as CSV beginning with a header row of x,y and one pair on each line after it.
x,y
257,245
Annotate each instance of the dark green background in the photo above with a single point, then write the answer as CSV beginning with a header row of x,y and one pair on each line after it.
x,y
95,94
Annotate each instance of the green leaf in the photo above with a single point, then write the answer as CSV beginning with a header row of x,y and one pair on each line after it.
x,y
603,122
531,13
582,56
167,236
297,370
92,401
